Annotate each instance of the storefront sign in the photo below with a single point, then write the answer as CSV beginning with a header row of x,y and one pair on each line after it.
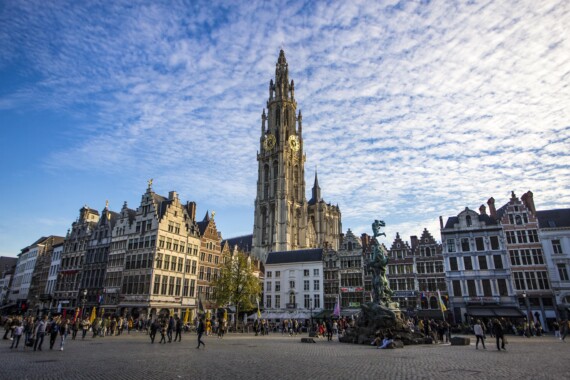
x,y
352,289
481,299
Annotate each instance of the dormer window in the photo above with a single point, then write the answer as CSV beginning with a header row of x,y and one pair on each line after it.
x,y
468,221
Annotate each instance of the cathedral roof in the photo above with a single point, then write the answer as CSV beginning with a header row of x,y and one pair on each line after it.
x,y
244,243
299,256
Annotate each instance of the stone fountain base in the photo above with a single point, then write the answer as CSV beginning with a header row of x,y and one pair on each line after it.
x,y
374,319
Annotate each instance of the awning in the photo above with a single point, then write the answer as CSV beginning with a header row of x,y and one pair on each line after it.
x,y
509,312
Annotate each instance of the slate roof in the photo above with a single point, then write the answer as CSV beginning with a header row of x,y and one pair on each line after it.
x,y
244,243
299,256
554,218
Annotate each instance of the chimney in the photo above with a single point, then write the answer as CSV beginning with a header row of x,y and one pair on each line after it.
x,y
414,241
482,210
528,201
191,207
365,239
441,222
172,195
492,209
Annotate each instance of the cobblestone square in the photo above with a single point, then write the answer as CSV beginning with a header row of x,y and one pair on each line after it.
x,y
243,356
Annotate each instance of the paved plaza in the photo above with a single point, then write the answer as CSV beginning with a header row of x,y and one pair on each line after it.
x,y
243,356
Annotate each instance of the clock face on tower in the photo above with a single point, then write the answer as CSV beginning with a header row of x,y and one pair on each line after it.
x,y
294,143
269,142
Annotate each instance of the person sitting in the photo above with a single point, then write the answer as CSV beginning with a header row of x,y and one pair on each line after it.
x,y
387,341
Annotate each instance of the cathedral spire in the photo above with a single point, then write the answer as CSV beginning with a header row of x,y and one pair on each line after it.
x,y
316,190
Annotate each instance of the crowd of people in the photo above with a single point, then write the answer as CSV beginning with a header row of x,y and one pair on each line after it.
x,y
30,332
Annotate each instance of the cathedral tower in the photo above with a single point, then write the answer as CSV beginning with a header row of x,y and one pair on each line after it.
x,y
283,219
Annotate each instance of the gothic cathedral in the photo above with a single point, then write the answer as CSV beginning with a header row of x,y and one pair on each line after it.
x,y
284,220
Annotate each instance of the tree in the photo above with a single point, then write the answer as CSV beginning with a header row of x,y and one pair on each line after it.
x,y
236,283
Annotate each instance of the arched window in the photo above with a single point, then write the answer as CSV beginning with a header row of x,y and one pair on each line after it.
x,y
433,303
292,297
468,220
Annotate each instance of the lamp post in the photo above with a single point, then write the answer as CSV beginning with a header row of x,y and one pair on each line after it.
x,y
527,312
311,311
83,300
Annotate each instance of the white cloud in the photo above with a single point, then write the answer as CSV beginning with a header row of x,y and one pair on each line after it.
x,y
411,110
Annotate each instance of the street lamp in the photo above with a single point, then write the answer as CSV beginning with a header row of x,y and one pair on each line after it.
x,y
83,300
311,311
527,312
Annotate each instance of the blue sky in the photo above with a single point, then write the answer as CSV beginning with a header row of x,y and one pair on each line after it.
x,y
411,109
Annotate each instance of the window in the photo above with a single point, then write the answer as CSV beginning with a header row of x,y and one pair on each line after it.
x,y
186,287
164,285
450,245
316,285
515,258
268,286
166,262
468,221
562,272
306,273
315,272
537,256
268,302
479,244
532,236
192,287
498,261
316,301
307,301
519,280
471,288
486,288
277,289
518,220
494,242
465,245
171,286
542,280
521,236
173,264
483,262
156,284
453,263
511,239
457,288
502,285
178,284
292,286
468,264
277,300
530,278
292,298
556,247
194,264
268,274
277,274
306,285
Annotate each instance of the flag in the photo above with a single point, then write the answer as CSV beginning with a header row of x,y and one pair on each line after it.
x,y
258,311
93,315
336,311
76,315
441,304
186,316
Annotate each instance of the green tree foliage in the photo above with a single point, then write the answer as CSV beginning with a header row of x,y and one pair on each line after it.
x,y
236,284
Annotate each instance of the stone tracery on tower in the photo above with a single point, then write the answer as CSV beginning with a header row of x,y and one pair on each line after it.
x,y
284,220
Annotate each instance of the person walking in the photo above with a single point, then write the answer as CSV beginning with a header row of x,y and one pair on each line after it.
x,y
499,334
479,334
564,327
178,329
170,329
200,330
84,327
53,331
63,331
153,329
39,333
18,330
163,328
